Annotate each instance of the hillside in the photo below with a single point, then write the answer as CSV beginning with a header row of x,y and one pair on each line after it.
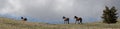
x,y
7,23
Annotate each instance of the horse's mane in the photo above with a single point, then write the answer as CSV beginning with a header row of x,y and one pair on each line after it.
x,y
64,17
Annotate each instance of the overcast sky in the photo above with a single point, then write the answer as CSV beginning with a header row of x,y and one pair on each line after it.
x,y
55,9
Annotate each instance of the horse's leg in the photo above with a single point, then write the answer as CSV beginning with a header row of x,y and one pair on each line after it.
x,y
75,22
64,22
80,21
68,22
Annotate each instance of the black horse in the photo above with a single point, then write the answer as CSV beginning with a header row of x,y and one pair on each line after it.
x,y
66,20
24,19
79,20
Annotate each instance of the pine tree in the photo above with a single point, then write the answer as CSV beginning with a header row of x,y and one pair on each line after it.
x,y
109,15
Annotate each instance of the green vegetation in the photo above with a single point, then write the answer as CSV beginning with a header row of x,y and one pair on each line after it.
x,y
110,15
7,23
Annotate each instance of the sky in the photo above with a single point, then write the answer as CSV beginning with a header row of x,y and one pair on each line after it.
x,y
89,10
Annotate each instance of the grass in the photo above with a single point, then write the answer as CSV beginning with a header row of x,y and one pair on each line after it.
x,y
7,23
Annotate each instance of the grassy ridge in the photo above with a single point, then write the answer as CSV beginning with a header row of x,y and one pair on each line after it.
x,y
6,23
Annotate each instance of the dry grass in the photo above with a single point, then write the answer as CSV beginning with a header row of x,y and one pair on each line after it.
x,y
6,23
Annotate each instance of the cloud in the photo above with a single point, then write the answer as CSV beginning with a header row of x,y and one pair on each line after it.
x,y
12,7
2,3
55,9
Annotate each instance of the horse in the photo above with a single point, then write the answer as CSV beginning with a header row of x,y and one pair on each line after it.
x,y
24,19
66,20
79,20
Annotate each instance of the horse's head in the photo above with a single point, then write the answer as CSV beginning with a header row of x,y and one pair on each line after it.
x,y
64,17
75,17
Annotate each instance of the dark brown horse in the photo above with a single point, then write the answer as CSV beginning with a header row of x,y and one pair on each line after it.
x,y
66,20
79,20
24,19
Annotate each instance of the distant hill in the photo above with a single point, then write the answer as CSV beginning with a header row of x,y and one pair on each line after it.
x,y
7,23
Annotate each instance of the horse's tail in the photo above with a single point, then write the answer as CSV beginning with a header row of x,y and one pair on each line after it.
x,y
68,18
80,19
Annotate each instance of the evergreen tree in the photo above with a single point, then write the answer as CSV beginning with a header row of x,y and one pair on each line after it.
x,y
109,15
